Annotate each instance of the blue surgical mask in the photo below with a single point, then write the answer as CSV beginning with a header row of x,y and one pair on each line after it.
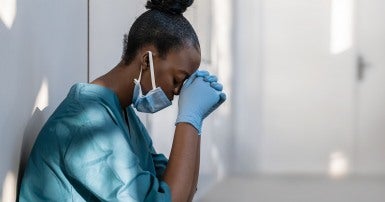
x,y
155,99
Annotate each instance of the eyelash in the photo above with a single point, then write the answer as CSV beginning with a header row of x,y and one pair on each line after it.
x,y
175,82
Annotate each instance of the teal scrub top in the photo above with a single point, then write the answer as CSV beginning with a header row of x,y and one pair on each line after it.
x,y
87,151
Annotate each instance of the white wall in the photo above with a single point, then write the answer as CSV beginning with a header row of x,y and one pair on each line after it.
x,y
43,52
109,21
247,86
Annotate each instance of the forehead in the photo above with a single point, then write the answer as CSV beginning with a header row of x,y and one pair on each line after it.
x,y
186,59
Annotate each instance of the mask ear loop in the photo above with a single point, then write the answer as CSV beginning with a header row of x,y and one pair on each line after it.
x,y
151,69
140,74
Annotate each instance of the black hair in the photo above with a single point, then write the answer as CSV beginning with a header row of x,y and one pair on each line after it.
x,y
163,26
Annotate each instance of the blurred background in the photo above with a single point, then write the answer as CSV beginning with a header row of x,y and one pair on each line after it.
x,y
305,118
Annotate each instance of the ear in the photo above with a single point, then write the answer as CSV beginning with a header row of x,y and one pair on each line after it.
x,y
144,61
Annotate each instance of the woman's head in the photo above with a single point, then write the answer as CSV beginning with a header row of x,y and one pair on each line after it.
x,y
162,26
175,46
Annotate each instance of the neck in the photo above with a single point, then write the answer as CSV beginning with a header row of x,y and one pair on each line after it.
x,y
120,80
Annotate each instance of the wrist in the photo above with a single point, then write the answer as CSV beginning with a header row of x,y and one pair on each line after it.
x,y
188,125
194,121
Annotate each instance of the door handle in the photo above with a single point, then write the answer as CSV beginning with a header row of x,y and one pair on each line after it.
x,y
362,64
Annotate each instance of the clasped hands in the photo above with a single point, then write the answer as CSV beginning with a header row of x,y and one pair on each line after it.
x,y
200,95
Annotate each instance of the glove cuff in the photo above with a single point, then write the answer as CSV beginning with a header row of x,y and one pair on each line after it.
x,y
194,121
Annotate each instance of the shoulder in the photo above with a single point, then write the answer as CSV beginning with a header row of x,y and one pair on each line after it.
x,y
78,117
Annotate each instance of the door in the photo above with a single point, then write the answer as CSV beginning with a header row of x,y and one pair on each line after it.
x,y
371,87
308,86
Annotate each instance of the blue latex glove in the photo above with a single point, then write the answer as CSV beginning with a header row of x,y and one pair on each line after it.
x,y
217,86
212,79
202,73
200,95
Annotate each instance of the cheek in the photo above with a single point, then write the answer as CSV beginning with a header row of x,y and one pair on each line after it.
x,y
165,79
167,85
145,83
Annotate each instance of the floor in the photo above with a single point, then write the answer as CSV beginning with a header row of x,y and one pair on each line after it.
x,y
297,189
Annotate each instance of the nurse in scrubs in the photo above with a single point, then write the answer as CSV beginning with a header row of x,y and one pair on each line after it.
x,y
95,148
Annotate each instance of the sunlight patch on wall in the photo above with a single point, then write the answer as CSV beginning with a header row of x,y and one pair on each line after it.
x,y
42,100
8,12
341,26
338,165
9,188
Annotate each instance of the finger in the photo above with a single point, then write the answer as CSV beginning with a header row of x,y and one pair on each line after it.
x,y
222,97
211,78
217,86
202,73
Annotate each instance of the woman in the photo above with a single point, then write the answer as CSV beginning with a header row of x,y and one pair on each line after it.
x,y
95,148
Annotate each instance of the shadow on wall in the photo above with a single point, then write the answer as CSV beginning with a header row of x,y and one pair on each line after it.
x,y
30,134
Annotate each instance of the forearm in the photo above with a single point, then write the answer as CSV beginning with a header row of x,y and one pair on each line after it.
x,y
181,171
196,175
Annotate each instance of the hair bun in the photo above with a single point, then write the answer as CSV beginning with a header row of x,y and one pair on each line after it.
x,y
169,6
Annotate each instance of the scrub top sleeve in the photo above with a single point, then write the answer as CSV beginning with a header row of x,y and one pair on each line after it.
x,y
160,163
100,164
